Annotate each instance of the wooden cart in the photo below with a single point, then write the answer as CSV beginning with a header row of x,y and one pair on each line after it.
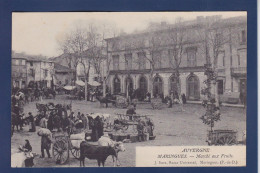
x,y
222,137
121,102
62,147
127,121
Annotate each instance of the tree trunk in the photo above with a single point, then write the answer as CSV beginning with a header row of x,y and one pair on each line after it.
x,y
179,92
215,83
216,93
151,85
127,88
104,87
86,87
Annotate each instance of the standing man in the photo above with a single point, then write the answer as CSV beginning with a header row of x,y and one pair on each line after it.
x,y
140,130
45,145
31,119
50,121
84,121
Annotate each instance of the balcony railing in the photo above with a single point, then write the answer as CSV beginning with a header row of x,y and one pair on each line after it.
x,y
238,71
221,71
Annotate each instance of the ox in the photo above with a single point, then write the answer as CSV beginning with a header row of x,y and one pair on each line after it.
x,y
118,146
99,153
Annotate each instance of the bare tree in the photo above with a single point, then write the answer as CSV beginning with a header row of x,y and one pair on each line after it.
x,y
128,47
152,54
76,44
177,41
108,31
215,37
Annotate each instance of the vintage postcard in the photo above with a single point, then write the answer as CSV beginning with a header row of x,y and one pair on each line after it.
x,y
129,89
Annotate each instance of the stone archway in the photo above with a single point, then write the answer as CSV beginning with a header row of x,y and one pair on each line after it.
x,y
193,88
117,85
173,84
129,85
143,87
157,86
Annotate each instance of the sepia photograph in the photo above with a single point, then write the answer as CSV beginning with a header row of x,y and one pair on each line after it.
x,y
121,89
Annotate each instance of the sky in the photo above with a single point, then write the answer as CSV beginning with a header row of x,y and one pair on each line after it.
x,y
36,33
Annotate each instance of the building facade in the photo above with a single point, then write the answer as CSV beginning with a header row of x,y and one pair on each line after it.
x,y
63,75
94,62
145,61
29,70
19,72
41,72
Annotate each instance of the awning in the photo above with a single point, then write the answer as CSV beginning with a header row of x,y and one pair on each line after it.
x,y
80,83
69,88
94,83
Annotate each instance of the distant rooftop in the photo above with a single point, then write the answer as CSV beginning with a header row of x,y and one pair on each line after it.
x,y
61,68
200,20
35,58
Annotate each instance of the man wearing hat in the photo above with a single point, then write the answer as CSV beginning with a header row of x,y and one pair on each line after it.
x,y
140,130
131,111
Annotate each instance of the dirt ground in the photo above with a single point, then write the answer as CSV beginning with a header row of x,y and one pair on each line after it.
x,y
173,127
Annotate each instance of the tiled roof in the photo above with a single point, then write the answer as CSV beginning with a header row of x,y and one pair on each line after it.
x,y
61,68
30,57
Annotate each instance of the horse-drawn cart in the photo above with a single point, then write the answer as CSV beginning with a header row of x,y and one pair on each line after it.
x,y
62,146
222,137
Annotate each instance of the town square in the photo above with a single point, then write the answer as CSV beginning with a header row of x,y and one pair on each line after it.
x,y
104,88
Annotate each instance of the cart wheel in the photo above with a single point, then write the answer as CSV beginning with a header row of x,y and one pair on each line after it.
x,y
75,152
226,140
60,151
124,127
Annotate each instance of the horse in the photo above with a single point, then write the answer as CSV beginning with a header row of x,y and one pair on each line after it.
x,y
41,107
106,100
16,120
48,92
81,95
36,94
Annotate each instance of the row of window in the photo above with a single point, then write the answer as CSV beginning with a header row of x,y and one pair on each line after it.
x,y
17,84
32,73
18,62
156,57
191,59
23,62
